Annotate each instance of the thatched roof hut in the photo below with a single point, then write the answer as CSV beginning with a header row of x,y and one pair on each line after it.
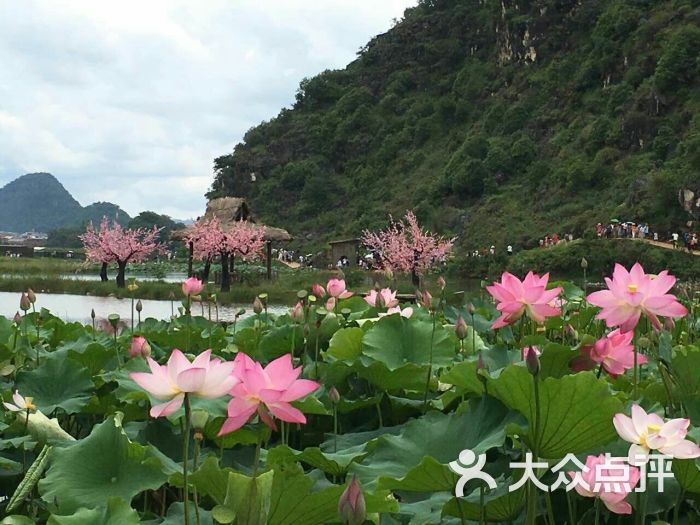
x,y
230,210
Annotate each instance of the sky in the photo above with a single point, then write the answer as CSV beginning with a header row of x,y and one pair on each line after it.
x,y
130,101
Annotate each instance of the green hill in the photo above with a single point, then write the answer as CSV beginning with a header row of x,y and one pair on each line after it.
x,y
496,121
39,202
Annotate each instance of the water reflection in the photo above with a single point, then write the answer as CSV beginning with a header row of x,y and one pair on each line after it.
x,y
77,307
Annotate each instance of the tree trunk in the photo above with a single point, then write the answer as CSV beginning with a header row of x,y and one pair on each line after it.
x,y
225,274
230,268
205,272
269,260
190,256
415,278
103,273
121,270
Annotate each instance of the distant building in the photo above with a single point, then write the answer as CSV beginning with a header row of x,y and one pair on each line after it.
x,y
345,249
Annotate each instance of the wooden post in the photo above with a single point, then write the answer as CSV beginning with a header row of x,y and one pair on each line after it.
x,y
269,260
189,259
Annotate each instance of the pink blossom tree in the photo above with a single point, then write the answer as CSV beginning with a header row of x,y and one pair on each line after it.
x,y
210,240
405,247
206,237
119,245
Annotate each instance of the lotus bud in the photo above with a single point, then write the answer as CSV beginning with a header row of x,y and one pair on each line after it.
x,y
669,324
480,364
351,505
171,295
318,291
92,314
17,319
139,306
297,313
532,359
192,286
31,295
257,305
441,282
461,328
24,303
471,309
334,395
584,263
139,347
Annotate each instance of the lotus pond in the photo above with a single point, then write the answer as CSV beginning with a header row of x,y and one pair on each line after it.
x,y
575,408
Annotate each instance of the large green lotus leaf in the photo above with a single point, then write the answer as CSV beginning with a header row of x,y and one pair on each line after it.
x,y
176,515
46,430
687,474
437,435
346,344
279,341
117,512
102,465
396,341
464,376
422,510
211,480
576,410
555,359
500,505
57,383
334,463
408,377
429,476
685,365
247,499
16,519
293,501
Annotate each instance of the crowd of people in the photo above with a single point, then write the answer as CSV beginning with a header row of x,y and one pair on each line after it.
x,y
687,240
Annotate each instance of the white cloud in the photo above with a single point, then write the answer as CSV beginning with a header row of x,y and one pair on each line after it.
x,y
130,101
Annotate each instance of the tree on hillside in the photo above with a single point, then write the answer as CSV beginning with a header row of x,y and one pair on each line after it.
x,y
406,247
115,244
66,237
210,240
149,219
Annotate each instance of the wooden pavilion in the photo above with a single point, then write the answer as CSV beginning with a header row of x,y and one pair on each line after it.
x,y
229,210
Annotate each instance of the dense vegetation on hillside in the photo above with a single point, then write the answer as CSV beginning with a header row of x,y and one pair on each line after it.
x,y
39,202
488,118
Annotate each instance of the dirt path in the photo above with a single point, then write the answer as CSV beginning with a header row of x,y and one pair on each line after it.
x,y
666,245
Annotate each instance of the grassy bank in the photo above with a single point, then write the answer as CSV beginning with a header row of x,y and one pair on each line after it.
x,y
564,260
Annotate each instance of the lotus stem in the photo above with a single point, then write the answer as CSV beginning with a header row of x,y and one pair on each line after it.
x,y
430,366
185,454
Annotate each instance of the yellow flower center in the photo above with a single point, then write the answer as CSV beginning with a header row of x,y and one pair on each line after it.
x,y
631,288
30,405
651,429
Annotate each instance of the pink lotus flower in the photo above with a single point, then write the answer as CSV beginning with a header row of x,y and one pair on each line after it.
x,y
318,291
515,297
649,432
406,312
203,377
139,346
21,403
384,298
336,288
274,386
192,286
615,351
608,479
631,294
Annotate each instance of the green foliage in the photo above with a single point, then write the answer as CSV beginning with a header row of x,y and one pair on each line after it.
x,y
443,112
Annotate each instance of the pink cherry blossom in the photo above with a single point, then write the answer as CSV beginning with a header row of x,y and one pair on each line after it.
x,y
595,481
631,294
336,288
615,351
203,377
261,389
648,432
406,247
516,297
192,286
387,298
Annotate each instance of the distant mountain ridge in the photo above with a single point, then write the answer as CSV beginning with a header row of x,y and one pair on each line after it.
x,y
39,202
